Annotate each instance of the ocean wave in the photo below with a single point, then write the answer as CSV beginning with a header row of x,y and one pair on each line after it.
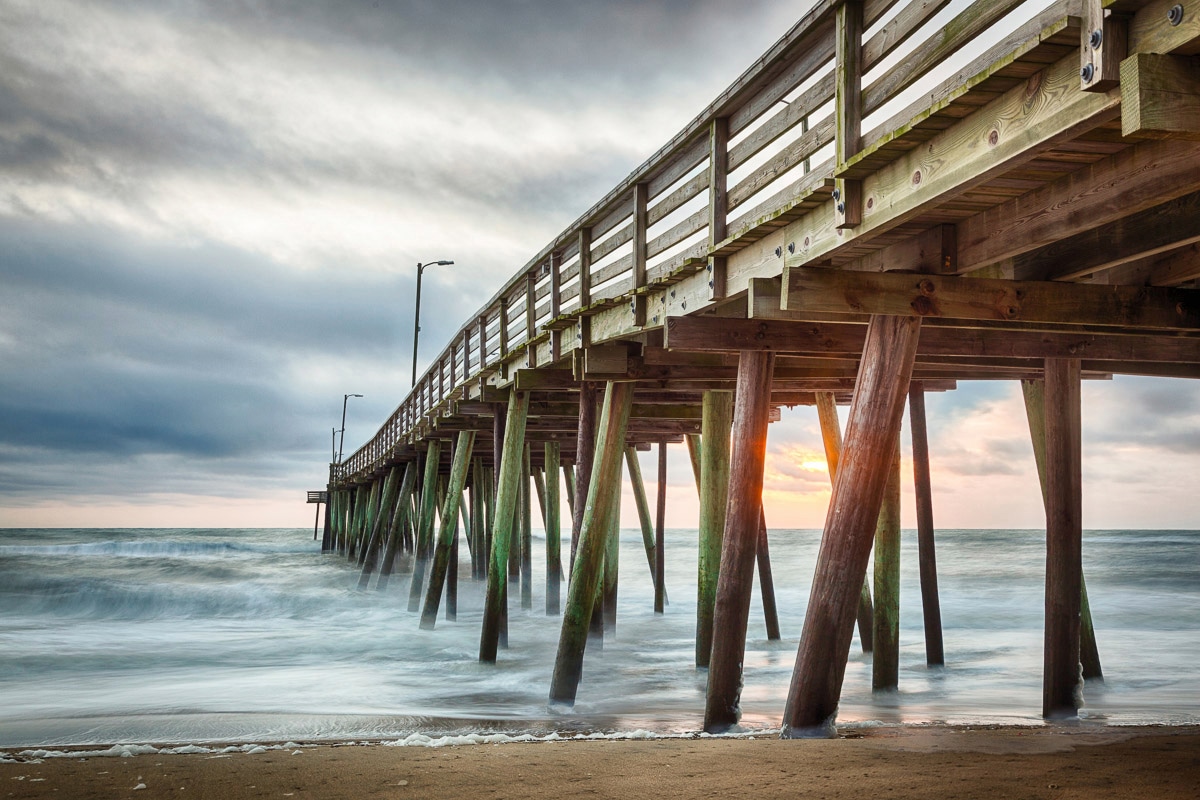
x,y
151,549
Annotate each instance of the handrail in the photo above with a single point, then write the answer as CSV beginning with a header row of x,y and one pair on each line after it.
x,y
780,139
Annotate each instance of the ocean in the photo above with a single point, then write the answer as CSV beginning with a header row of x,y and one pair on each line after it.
x,y
201,636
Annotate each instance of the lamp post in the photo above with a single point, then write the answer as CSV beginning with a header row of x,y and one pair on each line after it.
x,y
342,440
417,315
333,447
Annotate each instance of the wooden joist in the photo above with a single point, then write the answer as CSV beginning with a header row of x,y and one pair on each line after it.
x,y
835,292
691,333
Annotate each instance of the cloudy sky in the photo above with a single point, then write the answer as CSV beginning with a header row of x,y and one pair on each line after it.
x,y
210,216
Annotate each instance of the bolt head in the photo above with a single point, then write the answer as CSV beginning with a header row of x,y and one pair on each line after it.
x,y
791,247
1096,38
837,194
841,207
1086,73
1175,15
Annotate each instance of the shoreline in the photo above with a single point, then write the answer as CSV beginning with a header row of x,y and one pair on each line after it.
x,y
901,762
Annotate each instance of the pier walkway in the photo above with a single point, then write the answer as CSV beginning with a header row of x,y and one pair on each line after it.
x,y
895,197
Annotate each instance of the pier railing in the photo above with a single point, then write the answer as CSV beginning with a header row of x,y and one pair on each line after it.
x,y
850,88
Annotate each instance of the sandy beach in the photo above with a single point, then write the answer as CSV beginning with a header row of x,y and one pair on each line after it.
x,y
921,762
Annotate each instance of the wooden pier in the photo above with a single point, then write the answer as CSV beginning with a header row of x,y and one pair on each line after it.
x,y
886,203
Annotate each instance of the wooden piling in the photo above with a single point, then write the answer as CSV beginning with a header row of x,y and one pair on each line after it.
x,y
369,520
1064,538
926,555
885,661
568,470
526,534
660,530
716,421
387,504
694,446
477,492
602,504
634,467
424,543
880,391
585,450
399,524
743,526
508,489
831,437
553,530
448,530
766,581
1034,393
612,569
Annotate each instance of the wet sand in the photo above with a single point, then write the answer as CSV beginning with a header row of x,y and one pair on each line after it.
x,y
931,763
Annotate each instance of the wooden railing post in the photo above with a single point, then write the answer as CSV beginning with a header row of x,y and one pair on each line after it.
x,y
530,318
641,199
585,285
847,104
718,202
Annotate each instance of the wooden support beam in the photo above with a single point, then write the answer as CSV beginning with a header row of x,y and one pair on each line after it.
x,y
1034,393
885,660
1160,96
849,524
926,556
831,437
602,505
507,493
660,522
827,291
1064,536
425,520
714,488
585,284
714,334
552,521
743,525
478,490
448,530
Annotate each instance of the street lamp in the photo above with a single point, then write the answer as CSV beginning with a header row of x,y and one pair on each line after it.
x,y
417,316
342,440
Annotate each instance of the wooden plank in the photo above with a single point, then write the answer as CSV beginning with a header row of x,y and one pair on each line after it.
x,y
1024,122
1160,96
973,20
846,542
948,297
739,541
1133,180
640,199
718,202
1138,236
709,335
